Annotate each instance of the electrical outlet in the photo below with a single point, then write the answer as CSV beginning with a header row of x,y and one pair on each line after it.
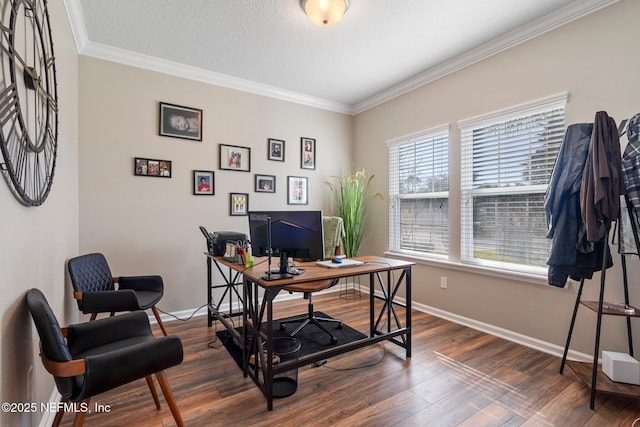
x,y
443,282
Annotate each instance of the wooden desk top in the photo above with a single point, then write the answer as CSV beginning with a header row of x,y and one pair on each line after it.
x,y
313,272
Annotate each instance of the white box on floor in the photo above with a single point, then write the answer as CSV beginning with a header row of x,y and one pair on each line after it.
x,y
621,367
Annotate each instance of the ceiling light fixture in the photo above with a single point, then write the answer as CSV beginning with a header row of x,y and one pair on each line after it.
x,y
325,13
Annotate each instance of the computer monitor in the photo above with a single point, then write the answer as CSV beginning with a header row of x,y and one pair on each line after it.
x,y
297,234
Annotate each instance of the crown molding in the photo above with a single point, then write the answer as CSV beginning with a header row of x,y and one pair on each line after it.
x,y
76,21
577,9
569,13
126,57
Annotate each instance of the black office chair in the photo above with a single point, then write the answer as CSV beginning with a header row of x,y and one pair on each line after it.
x,y
310,318
95,290
93,357
333,232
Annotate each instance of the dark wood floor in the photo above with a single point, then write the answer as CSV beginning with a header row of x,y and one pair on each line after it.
x,y
456,377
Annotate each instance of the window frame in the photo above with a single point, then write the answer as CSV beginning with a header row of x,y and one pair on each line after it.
x,y
467,127
394,146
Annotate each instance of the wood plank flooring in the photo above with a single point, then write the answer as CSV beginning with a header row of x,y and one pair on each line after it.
x,y
456,377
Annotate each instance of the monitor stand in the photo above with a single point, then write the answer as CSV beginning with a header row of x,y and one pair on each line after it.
x,y
281,272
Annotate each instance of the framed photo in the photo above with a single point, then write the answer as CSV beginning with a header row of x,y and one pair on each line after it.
x,y
275,150
203,183
152,167
297,190
180,122
238,204
235,158
265,183
307,153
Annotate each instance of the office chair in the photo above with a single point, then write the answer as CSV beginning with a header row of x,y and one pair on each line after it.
x,y
95,292
333,233
93,357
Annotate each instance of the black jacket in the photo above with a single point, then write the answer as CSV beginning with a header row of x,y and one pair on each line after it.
x,y
571,255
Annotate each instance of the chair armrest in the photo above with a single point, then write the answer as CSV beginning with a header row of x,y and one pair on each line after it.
x,y
83,336
140,283
71,368
109,301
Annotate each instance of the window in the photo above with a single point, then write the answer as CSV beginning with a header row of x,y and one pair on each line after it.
x,y
506,163
419,193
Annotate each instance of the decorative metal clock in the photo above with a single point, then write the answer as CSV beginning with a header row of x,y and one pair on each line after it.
x,y
28,100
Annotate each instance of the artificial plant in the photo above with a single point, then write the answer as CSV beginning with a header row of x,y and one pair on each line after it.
x,y
351,199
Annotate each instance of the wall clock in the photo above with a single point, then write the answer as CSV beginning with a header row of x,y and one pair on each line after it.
x,y
28,100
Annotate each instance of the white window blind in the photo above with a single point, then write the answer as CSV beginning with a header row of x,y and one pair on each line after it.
x,y
506,163
419,192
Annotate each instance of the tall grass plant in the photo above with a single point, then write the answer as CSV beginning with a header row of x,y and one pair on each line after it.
x,y
351,199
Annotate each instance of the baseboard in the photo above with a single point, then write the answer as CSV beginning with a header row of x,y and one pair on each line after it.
x,y
202,311
527,341
49,417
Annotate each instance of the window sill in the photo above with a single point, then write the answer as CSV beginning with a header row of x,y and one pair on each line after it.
x,y
535,279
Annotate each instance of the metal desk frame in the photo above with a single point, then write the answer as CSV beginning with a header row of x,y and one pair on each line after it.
x,y
257,331
230,286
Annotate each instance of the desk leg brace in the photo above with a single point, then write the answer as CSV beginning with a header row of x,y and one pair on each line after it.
x,y
263,354
231,283
389,307
213,309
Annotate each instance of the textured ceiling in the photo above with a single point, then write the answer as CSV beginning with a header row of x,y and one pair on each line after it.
x,y
378,50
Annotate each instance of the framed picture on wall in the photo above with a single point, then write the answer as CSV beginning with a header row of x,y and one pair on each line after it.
x,y
265,183
235,158
203,183
152,167
238,204
275,150
307,153
297,190
180,122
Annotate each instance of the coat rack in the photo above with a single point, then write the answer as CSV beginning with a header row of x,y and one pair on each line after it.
x,y
590,373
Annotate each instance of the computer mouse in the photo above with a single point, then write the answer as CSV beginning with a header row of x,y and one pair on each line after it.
x,y
336,260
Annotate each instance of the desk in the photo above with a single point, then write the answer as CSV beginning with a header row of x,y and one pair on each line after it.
x,y
385,324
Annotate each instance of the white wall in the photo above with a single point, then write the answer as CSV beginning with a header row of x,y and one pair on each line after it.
x,y
149,225
593,60
35,242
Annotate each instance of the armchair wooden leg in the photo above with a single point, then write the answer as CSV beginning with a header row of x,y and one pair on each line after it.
x,y
93,317
81,415
59,414
154,393
157,314
168,395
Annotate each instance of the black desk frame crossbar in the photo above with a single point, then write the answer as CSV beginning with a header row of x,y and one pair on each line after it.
x,y
258,331
389,308
230,288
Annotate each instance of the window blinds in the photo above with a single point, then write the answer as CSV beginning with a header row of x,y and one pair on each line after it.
x,y
506,164
419,192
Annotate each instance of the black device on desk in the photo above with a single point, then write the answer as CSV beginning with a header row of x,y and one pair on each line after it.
x,y
296,234
217,240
